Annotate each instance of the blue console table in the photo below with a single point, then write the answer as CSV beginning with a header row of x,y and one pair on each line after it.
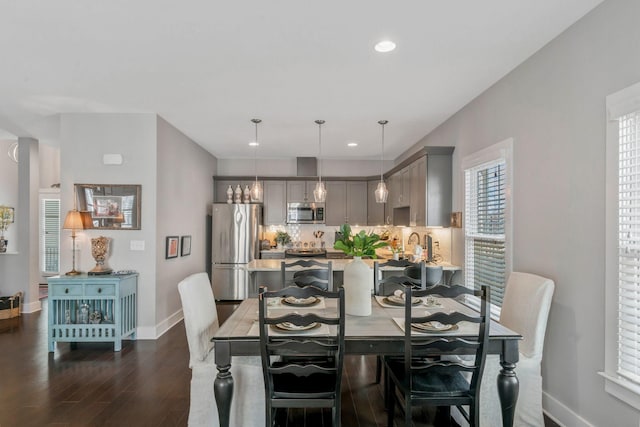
x,y
92,309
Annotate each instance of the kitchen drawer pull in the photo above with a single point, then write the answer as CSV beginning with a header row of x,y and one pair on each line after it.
x,y
66,290
99,290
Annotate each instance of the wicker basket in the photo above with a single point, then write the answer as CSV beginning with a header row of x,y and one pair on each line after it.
x,y
10,306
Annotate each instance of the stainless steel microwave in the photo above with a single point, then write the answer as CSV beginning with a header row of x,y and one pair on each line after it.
x,y
305,213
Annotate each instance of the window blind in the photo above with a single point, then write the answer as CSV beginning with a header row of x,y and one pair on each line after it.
x,y
485,236
628,324
50,236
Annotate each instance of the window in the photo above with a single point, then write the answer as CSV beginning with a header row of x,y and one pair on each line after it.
x,y
487,178
49,235
622,274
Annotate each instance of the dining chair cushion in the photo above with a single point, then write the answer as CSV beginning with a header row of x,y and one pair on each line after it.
x,y
452,384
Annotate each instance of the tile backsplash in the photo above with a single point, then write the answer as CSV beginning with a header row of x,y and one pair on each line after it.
x,y
304,233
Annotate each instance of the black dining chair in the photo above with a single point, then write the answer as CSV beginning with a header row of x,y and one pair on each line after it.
x,y
414,380
314,273
301,370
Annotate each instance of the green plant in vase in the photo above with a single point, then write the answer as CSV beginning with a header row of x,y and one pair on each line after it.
x,y
282,238
358,245
6,218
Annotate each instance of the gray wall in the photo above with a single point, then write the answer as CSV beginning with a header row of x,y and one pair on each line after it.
x,y
185,189
553,105
84,138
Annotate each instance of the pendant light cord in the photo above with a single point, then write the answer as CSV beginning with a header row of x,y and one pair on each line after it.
x,y
255,150
382,123
320,123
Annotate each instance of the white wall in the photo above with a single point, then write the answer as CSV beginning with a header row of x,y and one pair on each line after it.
x,y
8,191
553,105
185,189
49,165
84,138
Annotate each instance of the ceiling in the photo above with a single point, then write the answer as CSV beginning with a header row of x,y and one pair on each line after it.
x,y
208,67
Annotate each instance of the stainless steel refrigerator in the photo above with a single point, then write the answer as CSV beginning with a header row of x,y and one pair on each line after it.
x,y
235,241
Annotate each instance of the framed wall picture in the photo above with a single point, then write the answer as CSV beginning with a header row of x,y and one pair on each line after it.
x,y
111,206
185,246
172,247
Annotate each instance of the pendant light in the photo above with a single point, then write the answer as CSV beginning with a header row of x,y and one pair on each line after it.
x,y
256,190
320,192
381,191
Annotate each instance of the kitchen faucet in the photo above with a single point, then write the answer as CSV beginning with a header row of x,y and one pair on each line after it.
x,y
411,236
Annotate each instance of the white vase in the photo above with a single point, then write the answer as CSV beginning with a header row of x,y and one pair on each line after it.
x,y
229,194
246,194
358,283
238,194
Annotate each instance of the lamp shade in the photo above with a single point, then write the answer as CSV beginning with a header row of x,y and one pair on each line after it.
x,y
73,221
87,220
320,192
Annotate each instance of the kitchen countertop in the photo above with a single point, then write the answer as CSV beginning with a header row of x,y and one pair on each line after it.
x,y
337,264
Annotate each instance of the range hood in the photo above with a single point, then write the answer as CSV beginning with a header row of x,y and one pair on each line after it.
x,y
307,166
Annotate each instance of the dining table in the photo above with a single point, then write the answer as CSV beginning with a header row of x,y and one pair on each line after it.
x,y
378,334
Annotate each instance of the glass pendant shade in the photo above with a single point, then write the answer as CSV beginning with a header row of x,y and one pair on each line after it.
x,y
381,193
256,191
320,192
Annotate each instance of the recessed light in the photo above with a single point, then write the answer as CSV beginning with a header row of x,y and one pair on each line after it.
x,y
385,46
352,144
254,144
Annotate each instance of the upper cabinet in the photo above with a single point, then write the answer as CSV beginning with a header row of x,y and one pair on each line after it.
x,y
346,202
300,191
275,202
424,187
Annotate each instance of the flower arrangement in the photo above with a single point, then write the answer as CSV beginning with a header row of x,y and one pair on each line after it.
x,y
6,218
360,244
282,238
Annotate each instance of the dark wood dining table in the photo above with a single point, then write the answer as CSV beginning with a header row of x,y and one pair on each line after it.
x,y
377,334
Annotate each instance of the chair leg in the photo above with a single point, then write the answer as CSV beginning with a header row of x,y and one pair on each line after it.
x,y
337,410
407,410
378,369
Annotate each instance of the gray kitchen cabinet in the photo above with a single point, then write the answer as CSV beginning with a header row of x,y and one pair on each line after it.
x,y
275,202
356,202
418,191
300,191
336,204
375,211
346,202
438,186
221,185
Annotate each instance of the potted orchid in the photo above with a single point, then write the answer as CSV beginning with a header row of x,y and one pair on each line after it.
x,y
6,218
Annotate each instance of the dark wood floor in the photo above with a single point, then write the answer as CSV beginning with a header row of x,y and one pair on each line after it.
x,y
146,384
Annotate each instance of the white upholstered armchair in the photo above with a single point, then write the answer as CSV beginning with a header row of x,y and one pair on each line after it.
x,y
201,322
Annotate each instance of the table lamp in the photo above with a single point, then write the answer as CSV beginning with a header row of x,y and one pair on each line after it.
x,y
73,222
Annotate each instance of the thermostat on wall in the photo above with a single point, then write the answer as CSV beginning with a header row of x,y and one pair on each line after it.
x,y
112,159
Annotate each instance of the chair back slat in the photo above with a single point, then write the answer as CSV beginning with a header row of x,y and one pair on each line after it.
x,y
302,370
313,273
301,319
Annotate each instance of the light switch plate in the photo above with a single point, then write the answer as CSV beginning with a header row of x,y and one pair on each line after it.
x,y
136,245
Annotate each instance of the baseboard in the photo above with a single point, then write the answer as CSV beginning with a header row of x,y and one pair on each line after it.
x,y
561,414
155,332
32,307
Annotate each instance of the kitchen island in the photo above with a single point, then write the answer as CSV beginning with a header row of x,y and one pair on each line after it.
x,y
266,272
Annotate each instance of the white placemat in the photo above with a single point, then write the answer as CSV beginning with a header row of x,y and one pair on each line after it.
x,y
383,303
321,330
464,328
276,303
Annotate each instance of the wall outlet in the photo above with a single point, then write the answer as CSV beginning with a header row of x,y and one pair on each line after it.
x,y
136,245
